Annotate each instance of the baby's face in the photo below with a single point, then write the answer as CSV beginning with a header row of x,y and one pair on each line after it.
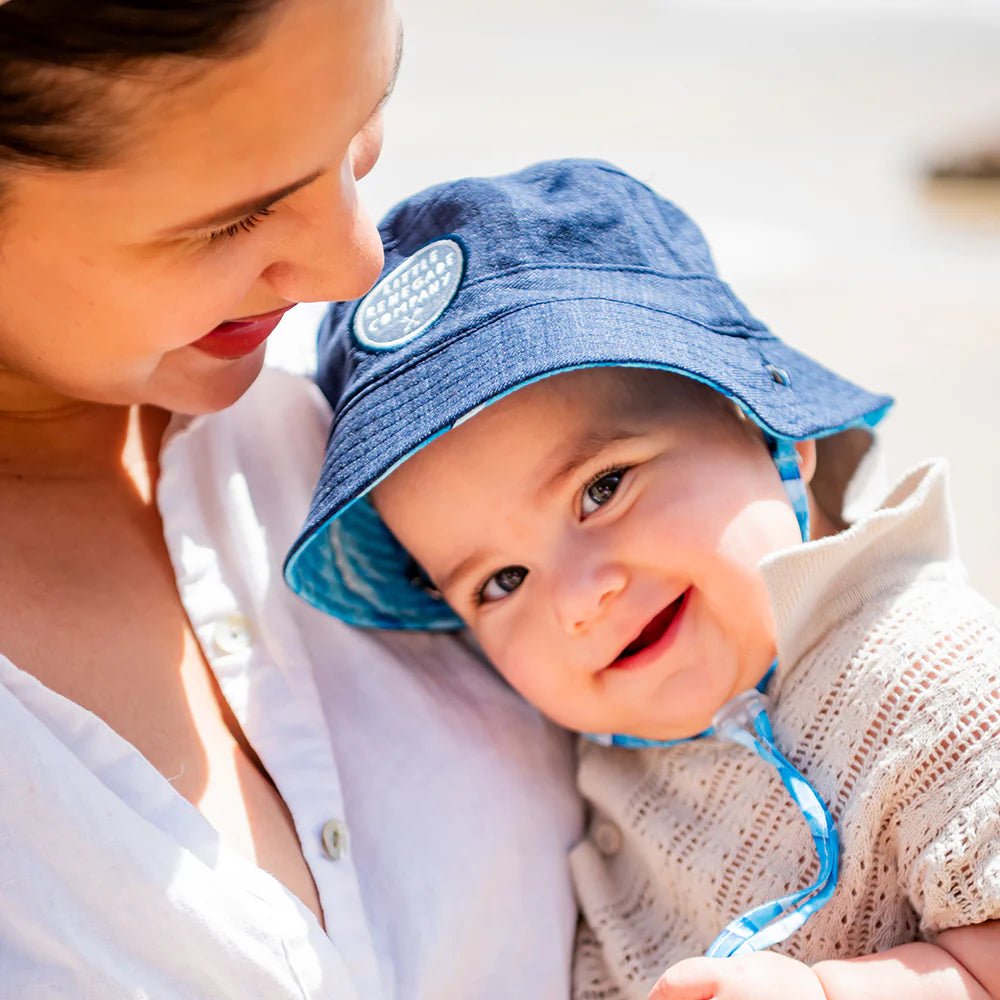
x,y
600,532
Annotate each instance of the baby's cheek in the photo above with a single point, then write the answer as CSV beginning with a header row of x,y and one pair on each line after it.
x,y
501,654
514,659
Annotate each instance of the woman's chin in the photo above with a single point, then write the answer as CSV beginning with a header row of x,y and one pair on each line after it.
x,y
214,385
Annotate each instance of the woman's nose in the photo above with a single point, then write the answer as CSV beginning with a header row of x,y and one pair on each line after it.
x,y
333,252
586,587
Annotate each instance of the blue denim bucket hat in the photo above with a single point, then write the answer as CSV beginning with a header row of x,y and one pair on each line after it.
x,y
490,284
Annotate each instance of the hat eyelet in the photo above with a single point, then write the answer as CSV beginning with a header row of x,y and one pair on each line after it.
x,y
779,375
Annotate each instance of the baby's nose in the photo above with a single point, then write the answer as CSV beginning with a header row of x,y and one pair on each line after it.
x,y
585,591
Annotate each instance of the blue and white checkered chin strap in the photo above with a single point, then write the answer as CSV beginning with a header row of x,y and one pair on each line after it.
x,y
744,720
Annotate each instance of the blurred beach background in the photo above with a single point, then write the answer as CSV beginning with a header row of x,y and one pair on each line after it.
x,y
796,133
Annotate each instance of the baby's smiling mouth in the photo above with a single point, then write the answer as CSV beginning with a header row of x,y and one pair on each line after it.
x,y
653,631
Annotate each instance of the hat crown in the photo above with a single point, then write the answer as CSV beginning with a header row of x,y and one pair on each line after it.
x,y
556,230
561,213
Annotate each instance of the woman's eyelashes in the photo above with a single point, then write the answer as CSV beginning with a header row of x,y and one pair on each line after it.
x,y
243,226
501,584
601,489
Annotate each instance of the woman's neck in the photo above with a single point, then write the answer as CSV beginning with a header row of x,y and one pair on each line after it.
x,y
44,435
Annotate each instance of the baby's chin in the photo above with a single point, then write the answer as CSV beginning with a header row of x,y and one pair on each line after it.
x,y
640,727
659,732
657,724
665,726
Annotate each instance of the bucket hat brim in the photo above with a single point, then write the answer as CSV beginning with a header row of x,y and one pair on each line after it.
x,y
345,560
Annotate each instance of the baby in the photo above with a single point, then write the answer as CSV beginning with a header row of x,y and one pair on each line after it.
x,y
556,426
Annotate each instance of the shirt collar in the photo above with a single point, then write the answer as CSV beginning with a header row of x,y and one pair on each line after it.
x,y
815,588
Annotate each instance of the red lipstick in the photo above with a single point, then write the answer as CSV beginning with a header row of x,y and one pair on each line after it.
x,y
239,337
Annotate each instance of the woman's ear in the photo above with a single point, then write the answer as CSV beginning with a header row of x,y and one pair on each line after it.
x,y
807,459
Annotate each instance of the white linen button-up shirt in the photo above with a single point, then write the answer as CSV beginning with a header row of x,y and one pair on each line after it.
x,y
435,808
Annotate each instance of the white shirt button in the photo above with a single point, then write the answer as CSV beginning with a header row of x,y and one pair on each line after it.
x,y
607,837
335,839
232,634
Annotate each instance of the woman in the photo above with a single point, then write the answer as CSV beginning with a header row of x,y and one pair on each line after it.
x,y
209,789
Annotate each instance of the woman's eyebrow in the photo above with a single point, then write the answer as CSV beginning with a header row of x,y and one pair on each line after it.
x,y
240,210
260,203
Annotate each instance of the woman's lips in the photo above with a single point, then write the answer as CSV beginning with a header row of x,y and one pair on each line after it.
x,y
239,337
657,635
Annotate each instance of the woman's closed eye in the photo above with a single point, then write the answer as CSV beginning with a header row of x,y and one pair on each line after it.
x,y
600,490
243,226
501,584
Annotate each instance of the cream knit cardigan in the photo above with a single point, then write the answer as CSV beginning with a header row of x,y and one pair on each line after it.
x,y
887,697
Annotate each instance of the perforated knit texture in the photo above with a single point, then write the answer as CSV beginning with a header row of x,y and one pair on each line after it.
x,y
887,697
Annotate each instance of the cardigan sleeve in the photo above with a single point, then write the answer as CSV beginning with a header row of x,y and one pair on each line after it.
x,y
948,806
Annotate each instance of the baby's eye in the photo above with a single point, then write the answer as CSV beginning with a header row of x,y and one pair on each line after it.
x,y
500,584
601,490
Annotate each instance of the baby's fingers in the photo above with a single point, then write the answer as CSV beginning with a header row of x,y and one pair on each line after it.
x,y
758,976
694,979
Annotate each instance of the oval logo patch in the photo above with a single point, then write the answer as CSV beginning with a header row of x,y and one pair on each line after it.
x,y
410,297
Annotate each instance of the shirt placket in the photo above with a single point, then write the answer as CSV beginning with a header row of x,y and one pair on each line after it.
x,y
263,671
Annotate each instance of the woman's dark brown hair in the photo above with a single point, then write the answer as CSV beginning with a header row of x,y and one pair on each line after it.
x,y
58,59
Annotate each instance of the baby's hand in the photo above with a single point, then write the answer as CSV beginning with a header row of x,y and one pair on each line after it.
x,y
760,976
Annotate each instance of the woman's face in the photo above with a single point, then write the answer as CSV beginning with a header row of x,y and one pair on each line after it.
x,y
113,280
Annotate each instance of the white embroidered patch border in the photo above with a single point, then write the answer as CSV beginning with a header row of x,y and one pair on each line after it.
x,y
410,297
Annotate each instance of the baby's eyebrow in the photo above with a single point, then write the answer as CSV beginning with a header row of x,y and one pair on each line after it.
x,y
582,449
